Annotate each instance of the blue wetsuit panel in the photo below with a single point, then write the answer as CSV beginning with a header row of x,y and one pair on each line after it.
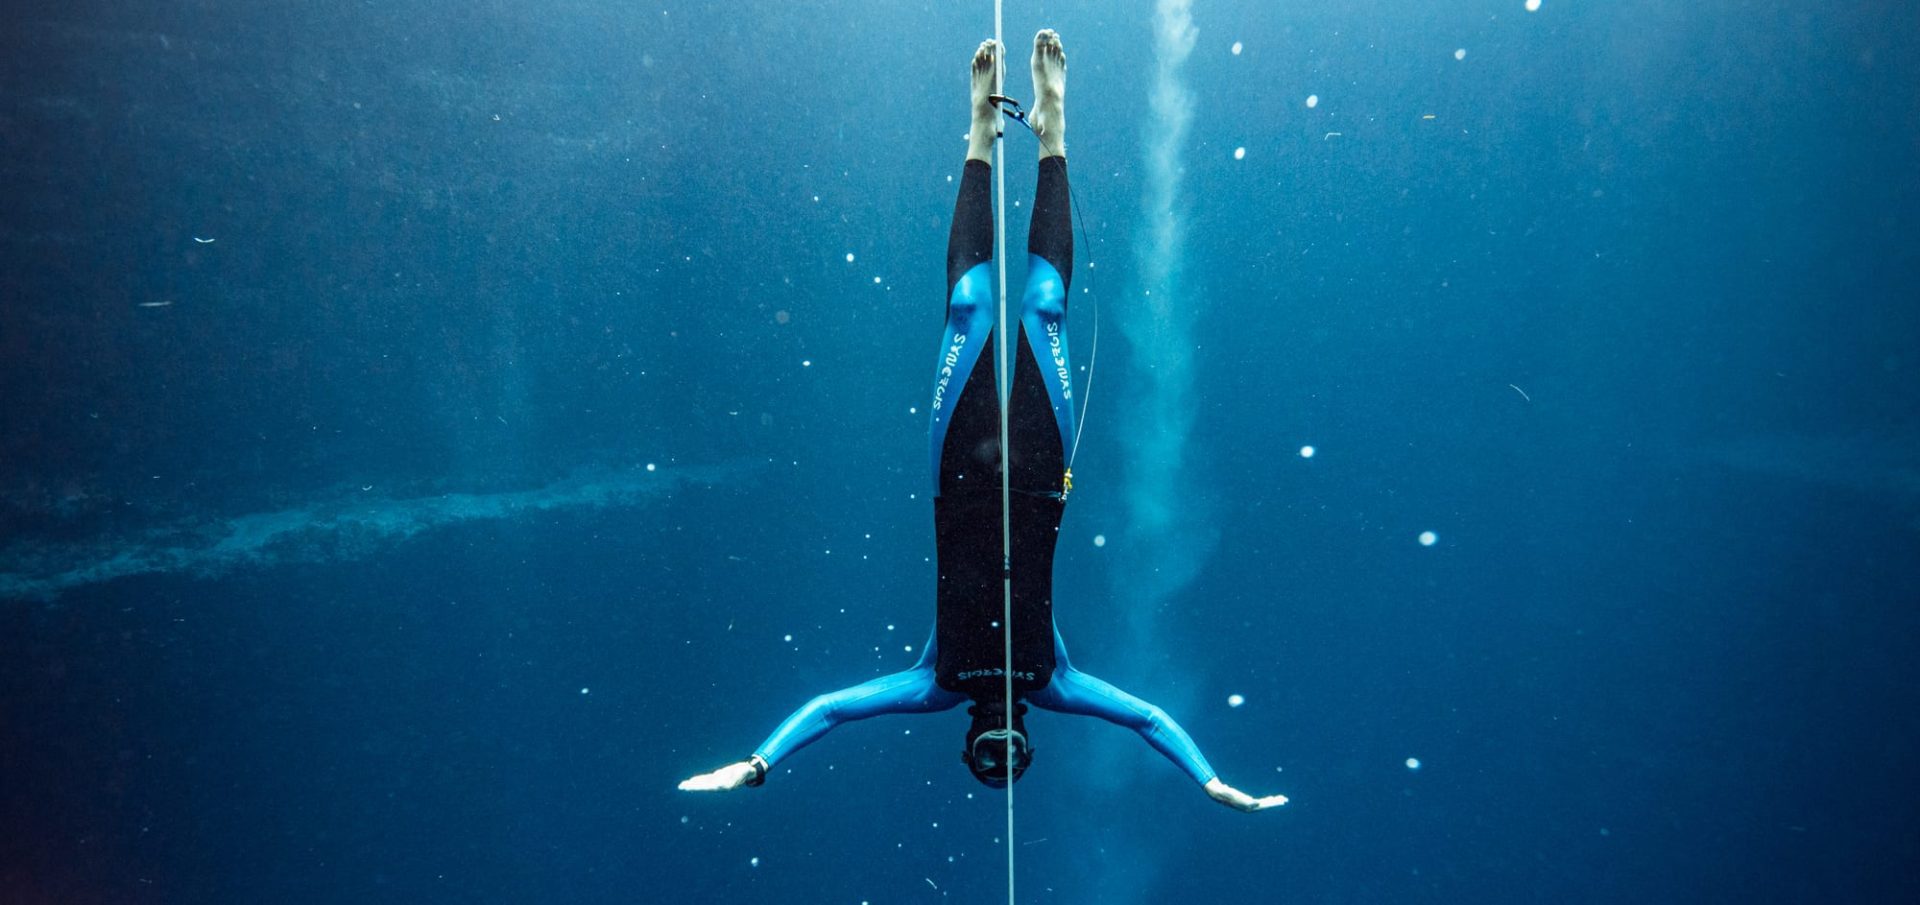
x,y
1073,691
910,691
914,691
970,316
1043,312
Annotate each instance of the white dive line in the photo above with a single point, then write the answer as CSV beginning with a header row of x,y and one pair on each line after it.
x,y
1003,370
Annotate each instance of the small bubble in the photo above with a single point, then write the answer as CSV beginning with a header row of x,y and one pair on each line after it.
x,y
1306,452
806,362
1460,54
1234,700
1240,153
1236,48
849,257
1427,538
584,690
1533,6
1099,540
787,638
1313,100
1413,763
754,861
651,466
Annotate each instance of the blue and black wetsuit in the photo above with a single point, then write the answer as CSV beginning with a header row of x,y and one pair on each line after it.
x,y
965,656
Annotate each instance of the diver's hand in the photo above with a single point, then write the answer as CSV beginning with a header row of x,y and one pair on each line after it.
x,y
725,779
1236,799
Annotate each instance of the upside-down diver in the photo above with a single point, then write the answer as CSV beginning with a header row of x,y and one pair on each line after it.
x,y
965,658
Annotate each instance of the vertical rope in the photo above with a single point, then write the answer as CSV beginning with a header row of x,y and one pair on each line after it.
x,y
1003,370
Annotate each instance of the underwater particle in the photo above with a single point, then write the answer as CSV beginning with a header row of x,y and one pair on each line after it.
x,y
1306,452
908,648
1413,763
651,466
1427,538
1236,48
782,316
806,362
1533,6
787,638
584,690
203,241
754,861
1240,153
849,257
1313,100
1234,700
683,818
876,279
1460,54
1099,540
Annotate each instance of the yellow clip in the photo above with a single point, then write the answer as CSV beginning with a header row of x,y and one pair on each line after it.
x,y
1066,485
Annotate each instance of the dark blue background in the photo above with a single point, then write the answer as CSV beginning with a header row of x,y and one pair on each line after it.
x,y
1661,651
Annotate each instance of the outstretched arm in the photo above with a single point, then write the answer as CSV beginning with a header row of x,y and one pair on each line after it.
x,y
912,691
1073,691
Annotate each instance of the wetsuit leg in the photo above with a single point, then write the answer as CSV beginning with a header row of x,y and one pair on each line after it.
x,y
1041,409
965,415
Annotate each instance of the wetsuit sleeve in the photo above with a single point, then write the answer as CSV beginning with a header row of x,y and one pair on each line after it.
x,y
912,691
1073,691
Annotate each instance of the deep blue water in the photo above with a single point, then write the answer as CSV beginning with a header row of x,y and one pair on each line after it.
x,y
428,432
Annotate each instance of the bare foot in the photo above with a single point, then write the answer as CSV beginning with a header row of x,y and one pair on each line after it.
x,y
986,117
1049,116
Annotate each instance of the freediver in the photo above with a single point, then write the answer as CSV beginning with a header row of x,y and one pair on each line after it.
x,y
964,658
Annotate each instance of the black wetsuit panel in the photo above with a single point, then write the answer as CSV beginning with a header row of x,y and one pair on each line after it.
x,y
967,507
